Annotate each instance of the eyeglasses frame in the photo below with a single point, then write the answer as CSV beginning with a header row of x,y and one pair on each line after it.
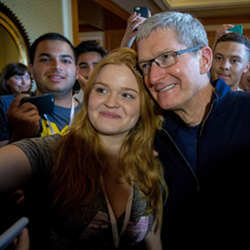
x,y
178,52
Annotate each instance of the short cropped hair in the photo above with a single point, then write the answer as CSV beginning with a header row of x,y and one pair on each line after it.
x,y
89,46
49,36
235,37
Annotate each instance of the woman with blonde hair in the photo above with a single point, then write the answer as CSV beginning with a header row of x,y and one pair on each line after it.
x,y
103,181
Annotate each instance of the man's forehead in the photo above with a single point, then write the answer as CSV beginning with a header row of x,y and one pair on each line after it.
x,y
159,41
230,47
54,46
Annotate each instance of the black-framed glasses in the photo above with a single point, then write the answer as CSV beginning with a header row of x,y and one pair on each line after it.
x,y
165,60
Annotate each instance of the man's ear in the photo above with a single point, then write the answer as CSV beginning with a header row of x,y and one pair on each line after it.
x,y
247,67
77,71
206,59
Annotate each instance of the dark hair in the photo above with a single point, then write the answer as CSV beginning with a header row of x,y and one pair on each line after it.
x,y
89,46
235,37
8,71
48,36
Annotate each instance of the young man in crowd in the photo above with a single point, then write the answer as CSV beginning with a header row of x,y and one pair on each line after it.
x,y
231,58
53,67
88,54
204,143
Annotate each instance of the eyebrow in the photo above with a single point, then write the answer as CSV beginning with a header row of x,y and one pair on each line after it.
x,y
61,56
220,54
130,89
125,88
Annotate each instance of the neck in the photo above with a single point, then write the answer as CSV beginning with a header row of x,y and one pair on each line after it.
x,y
112,144
235,87
196,109
64,101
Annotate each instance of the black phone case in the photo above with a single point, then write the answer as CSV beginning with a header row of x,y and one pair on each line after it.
x,y
44,103
142,10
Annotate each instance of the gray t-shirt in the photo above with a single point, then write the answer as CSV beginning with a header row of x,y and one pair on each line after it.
x,y
89,227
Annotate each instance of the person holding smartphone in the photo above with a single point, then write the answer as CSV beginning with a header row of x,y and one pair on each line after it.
x,y
99,187
139,15
53,67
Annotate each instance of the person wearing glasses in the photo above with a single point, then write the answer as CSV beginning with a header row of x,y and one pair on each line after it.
x,y
204,143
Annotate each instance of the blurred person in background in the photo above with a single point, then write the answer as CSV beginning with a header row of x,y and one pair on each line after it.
x,y
231,54
88,54
15,79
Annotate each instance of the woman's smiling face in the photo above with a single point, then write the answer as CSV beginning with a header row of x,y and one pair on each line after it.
x,y
114,101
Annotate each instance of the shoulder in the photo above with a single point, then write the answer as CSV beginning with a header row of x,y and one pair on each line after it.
x,y
5,101
39,150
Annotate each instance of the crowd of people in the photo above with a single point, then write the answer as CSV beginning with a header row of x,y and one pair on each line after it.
x,y
145,148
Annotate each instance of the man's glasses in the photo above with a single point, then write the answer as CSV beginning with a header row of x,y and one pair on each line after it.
x,y
164,60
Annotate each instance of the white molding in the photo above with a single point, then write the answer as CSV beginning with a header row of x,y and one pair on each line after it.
x,y
67,19
95,35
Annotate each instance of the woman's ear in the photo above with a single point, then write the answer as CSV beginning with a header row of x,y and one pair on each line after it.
x,y
206,59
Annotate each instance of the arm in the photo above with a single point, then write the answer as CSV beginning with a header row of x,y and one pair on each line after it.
x,y
153,238
222,30
22,242
15,167
132,23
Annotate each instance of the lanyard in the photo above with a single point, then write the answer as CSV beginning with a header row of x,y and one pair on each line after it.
x,y
116,236
72,113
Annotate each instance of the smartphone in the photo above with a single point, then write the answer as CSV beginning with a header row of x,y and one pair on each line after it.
x,y
12,232
44,103
237,29
144,11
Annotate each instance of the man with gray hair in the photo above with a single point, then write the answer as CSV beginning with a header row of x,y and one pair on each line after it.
x,y
205,139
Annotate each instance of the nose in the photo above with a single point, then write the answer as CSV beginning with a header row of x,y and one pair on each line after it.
x,y
111,101
26,80
155,74
56,63
225,64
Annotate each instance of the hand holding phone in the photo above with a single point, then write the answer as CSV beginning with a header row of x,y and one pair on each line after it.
x,y
144,11
44,103
237,29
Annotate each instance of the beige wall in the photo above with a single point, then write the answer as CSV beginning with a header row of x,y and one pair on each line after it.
x,y
42,16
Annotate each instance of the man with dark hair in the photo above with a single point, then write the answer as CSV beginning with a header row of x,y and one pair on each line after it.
x,y
53,67
231,58
88,54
